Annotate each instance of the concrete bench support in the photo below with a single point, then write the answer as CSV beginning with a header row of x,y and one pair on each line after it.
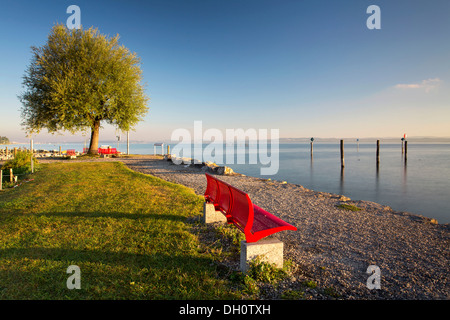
x,y
210,214
268,250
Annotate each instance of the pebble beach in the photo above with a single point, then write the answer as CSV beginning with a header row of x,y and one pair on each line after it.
x,y
333,246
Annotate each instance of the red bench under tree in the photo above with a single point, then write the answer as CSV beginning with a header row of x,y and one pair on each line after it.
x,y
253,221
107,151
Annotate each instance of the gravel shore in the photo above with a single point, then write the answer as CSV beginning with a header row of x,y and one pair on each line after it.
x,y
333,246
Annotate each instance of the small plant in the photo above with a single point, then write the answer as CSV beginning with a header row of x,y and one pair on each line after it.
x,y
231,233
21,165
330,291
250,286
310,284
348,207
266,272
21,162
292,294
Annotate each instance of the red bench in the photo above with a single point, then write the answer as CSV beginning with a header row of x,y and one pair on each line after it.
x,y
107,150
253,221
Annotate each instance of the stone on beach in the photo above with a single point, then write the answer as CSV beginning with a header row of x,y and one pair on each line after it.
x,y
206,166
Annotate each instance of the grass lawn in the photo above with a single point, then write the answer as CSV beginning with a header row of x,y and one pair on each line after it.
x,y
127,232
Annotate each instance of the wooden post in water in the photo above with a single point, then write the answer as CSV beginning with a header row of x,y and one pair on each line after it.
x,y
342,154
312,141
406,150
378,152
403,139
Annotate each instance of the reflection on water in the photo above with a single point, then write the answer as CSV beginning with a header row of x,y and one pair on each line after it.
x,y
419,183
404,175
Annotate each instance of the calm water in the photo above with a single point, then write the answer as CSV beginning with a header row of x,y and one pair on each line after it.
x,y
421,185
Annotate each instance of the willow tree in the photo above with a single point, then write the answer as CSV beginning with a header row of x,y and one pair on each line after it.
x,y
78,79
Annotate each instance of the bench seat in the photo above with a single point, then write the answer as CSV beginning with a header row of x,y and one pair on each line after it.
x,y
253,221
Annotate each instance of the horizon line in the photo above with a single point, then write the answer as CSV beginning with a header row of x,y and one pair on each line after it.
x,y
293,139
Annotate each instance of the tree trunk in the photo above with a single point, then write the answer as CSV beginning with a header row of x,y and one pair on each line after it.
x,y
93,146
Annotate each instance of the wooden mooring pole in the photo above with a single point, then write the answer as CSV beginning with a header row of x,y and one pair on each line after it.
x,y
406,150
378,152
342,154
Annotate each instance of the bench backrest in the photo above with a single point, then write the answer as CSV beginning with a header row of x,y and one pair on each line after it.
x,y
225,201
255,222
212,190
242,210
107,150
234,202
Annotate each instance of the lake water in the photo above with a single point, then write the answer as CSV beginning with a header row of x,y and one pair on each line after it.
x,y
421,185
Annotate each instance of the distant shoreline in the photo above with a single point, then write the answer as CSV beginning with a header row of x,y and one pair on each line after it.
x,y
388,140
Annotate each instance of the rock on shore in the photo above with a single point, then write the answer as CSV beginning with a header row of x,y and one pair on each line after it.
x,y
206,166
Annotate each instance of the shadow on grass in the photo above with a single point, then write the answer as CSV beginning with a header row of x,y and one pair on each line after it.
x,y
115,215
41,273
155,260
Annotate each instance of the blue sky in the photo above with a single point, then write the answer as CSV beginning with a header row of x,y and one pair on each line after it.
x,y
307,68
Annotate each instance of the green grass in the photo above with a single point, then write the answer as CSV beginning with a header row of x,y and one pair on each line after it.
x,y
128,233
348,207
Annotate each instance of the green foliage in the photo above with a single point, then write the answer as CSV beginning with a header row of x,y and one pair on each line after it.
x,y
330,291
310,284
292,294
21,163
80,78
4,140
348,207
230,234
266,272
258,274
250,286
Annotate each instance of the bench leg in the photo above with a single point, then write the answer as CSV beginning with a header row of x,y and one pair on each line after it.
x,y
210,214
268,250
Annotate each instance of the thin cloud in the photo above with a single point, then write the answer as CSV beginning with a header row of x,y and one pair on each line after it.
x,y
426,85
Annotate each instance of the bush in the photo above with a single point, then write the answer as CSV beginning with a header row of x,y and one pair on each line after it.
x,y
266,272
21,163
